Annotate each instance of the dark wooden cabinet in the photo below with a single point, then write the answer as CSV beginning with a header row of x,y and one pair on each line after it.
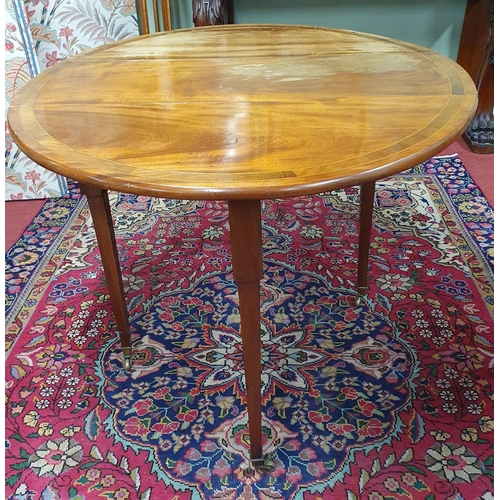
x,y
212,12
475,55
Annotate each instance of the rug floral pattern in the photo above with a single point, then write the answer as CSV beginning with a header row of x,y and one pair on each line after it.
x,y
391,399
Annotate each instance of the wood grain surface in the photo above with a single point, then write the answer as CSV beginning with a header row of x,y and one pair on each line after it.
x,y
242,112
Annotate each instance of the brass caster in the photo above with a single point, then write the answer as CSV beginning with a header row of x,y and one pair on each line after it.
x,y
127,358
263,465
361,293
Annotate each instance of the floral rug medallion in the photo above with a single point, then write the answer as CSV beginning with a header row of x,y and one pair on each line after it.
x,y
333,385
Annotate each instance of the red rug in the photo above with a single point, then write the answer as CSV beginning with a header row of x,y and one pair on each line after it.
x,y
388,400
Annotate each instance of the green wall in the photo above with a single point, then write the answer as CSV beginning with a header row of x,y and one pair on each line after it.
x,y
436,24
181,14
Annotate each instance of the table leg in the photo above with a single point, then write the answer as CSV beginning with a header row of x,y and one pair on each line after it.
x,y
365,227
246,251
103,224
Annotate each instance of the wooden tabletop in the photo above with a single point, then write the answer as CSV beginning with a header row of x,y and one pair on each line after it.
x,y
242,112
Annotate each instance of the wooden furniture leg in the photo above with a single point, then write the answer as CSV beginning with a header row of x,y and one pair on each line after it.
x,y
246,251
475,55
103,224
365,227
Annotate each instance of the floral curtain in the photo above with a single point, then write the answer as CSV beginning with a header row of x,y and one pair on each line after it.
x,y
39,34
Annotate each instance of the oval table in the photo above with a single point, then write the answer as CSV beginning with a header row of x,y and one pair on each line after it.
x,y
239,113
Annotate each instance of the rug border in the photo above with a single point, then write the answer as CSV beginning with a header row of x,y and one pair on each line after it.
x,y
30,286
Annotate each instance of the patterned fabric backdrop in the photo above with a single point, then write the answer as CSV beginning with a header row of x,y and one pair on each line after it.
x,y
38,34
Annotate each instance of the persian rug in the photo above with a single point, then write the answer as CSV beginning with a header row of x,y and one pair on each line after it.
x,y
389,400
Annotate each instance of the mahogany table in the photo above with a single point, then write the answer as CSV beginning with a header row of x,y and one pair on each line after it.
x,y
239,113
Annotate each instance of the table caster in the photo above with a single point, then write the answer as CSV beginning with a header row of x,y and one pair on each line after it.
x,y
361,294
127,358
262,465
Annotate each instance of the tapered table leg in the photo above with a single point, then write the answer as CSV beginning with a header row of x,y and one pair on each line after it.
x,y
246,250
365,227
103,224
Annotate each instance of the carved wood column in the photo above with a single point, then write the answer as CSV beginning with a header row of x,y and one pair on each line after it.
x,y
212,12
475,55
